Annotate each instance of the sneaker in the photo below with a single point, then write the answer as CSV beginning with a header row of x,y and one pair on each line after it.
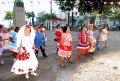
x,y
33,73
27,76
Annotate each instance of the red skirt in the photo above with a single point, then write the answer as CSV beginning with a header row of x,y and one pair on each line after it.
x,y
69,48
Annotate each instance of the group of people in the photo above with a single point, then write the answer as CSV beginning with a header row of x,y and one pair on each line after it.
x,y
88,41
26,41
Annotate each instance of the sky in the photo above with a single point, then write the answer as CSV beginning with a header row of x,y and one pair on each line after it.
x,y
30,5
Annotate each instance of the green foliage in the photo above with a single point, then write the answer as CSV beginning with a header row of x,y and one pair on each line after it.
x,y
19,3
28,14
9,15
94,14
117,16
43,16
66,5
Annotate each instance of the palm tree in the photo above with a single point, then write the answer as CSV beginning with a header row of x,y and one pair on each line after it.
x,y
8,16
29,15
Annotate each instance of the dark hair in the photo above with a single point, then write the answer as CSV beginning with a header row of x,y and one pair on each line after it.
x,y
1,26
39,27
82,28
17,29
42,25
57,25
65,29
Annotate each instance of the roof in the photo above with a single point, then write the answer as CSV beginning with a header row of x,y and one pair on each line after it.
x,y
56,19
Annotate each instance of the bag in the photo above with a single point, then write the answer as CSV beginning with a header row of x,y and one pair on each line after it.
x,y
69,48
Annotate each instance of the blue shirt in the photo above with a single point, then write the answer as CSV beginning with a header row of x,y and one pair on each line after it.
x,y
13,34
39,38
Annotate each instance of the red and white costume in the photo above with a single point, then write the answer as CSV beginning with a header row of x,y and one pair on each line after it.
x,y
68,43
26,61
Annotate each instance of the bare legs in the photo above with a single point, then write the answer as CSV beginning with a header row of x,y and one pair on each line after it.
x,y
62,61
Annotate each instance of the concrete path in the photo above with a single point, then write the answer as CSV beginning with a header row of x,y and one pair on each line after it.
x,y
102,66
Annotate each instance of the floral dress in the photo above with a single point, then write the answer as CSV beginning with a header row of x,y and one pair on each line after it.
x,y
26,61
82,44
68,43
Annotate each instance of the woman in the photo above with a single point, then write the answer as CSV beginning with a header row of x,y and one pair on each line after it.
x,y
58,34
13,47
65,47
39,42
83,43
26,60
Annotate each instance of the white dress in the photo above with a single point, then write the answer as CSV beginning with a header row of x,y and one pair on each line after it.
x,y
104,35
30,64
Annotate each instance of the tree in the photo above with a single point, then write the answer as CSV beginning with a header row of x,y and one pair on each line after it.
x,y
43,16
8,16
29,15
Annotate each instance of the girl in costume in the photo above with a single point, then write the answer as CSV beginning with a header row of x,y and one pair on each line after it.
x,y
58,35
26,60
6,39
104,37
13,47
91,39
83,43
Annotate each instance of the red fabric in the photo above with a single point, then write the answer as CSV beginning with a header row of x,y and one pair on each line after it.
x,y
82,38
69,48
23,56
27,26
58,35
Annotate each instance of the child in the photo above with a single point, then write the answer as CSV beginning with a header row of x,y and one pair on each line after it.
x,y
5,36
1,51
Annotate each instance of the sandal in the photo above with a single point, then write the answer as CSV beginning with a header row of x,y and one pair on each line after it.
x,y
63,66
70,61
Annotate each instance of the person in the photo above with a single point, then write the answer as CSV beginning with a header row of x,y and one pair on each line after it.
x,y
91,39
44,32
12,29
39,42
35,28
104,36
58,34
1,28
1,51
65,47
26,60
13,43
6,39
83,43
97,36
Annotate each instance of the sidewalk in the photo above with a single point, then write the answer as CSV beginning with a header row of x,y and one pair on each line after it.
x,y
101,66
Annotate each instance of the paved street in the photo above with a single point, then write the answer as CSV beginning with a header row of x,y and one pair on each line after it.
x,y
102,66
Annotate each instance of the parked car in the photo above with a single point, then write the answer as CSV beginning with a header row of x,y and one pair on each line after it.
x,y
113,27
